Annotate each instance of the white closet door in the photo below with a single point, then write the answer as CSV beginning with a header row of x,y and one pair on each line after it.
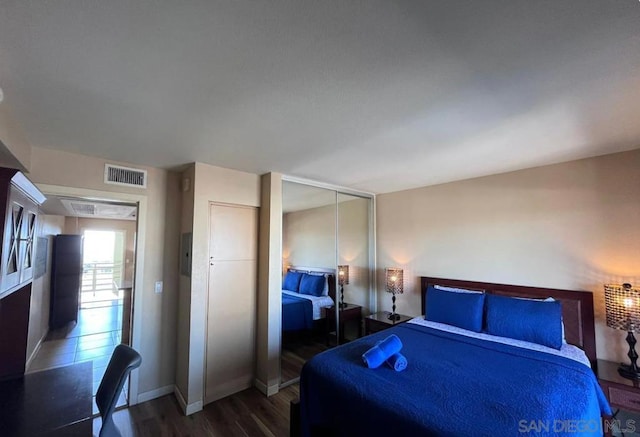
x,y
231,316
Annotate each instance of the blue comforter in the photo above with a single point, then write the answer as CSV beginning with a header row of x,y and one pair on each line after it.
x,y
297,313
453,386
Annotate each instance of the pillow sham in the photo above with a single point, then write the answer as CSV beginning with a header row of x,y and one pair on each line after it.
x,y
325,290
548,299
463,310
535,321
312,284
292,281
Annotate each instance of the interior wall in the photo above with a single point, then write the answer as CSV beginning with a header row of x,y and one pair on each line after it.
x,y
269,285
353,249
158,320
210,184
48,227
15,150
309,238
77,225
572,226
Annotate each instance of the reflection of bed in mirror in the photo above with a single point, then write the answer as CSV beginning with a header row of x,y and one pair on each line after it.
x,y
306,292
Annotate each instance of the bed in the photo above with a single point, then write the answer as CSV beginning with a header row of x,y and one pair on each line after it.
x,y
459,385
300,312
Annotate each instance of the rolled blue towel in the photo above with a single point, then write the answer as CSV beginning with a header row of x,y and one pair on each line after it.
x,y
391,345
397,362
381,352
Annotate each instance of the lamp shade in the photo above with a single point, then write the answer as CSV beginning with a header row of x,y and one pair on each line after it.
x,y
394,279
622,304
343,275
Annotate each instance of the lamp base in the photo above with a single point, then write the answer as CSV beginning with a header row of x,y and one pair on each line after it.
x,y
393,316
627,371
343,305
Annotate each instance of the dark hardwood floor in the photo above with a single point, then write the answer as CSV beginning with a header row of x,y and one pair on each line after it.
x,y
296,352
248,413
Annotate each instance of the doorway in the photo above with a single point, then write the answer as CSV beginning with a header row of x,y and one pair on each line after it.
x,y
108,247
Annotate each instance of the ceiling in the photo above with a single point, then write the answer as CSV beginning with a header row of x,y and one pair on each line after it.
x,y
88,208
374,95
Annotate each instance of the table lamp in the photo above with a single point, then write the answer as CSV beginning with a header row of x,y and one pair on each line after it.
x,y
622,304
394,286
343,278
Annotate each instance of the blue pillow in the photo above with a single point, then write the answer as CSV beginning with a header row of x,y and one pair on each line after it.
x,y
463,310
535,321
312,284
292,281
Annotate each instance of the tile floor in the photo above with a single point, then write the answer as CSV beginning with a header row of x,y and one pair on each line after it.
x,y
92,338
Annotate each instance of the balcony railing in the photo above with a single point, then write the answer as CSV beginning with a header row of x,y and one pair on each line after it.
x,y
98,277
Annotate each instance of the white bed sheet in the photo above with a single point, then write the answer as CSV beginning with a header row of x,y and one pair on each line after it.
x,y
317,302
568,350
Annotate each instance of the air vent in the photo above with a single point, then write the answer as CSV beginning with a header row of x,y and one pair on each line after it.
x,y
131,177
83,208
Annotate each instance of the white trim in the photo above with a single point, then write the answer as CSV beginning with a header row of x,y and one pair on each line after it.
x,y
137,304
186,409
289,382
338,188
373,257
267,390
36,350
153,394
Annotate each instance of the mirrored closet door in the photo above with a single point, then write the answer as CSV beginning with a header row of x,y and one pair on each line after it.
x,y
327,270
309,285
354,287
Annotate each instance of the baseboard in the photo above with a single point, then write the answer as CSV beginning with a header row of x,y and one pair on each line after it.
x,y
36,350
265,389
290,382
153,394
186,409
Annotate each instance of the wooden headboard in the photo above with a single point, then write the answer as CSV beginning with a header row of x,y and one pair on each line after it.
x,y
577,307
331,278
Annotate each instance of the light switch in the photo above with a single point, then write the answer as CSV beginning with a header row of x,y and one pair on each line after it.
x,y
159,287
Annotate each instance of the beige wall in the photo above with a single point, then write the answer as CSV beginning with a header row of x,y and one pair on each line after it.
x,y
156,312
77,225
48,227
269,285
309,237
210,184
573,225
309,240
15,150
353,248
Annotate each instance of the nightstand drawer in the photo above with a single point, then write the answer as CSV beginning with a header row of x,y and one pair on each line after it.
x,y
625,399
375,327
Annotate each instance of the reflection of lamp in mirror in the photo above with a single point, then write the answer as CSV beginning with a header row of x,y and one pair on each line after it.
x,y
343,279
394,286
622,304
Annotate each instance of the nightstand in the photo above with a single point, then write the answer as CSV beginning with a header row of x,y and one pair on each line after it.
x,y
380,321
350,313
622,393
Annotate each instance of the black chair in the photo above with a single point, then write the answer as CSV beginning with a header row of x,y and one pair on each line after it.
x,y
122,362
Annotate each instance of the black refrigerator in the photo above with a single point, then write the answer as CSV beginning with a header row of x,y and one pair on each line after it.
x,y
66,280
